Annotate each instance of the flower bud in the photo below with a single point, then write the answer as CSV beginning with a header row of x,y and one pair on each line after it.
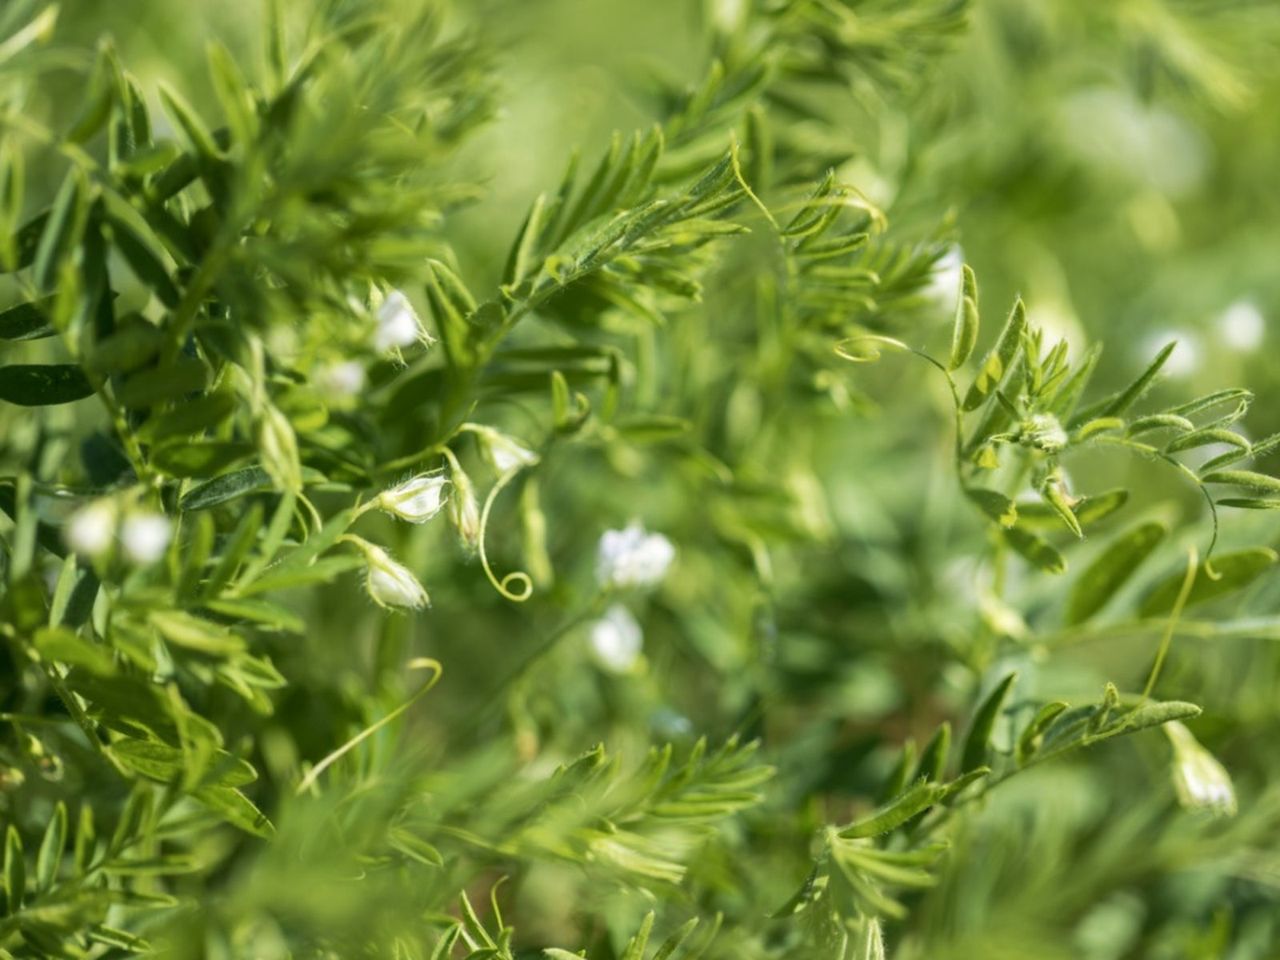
x,y
398,324
632,557
1201,782
340,381
464,508
1044,432
145,536
503,453
389,583
91,529
616,640
417,499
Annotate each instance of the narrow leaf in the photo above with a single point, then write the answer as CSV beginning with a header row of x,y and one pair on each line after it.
x,y
894,813
999,360
976,742
41,385
1234,572
1111,570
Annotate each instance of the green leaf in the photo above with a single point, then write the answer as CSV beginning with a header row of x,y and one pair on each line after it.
x,y
1067,396
964,335
895,813
41,385
1111,570
27,321
322,571
61,231
1037,515
1036,550
653,428
65,646
1202,438
1237,395
86,839
165,764
236,809
133,343
1153,714
999,359
974,754
1031,736
264,614
1250,503
933,759
15,870
140,247
995,505
233,94
1160,421
414,847
186,120
184,376
1234,572
196,633
1248,479
181,458
229,486
190,417
52,848
1118,404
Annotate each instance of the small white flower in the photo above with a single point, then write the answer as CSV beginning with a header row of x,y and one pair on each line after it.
x,y
417,499
341,380
1242,326
391,584
504,453
90,529
145,536
398,324
1201,782
633,557
616,640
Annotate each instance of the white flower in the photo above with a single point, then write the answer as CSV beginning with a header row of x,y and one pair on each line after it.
x,y
417,499
1242,326
1201,782
398,323
616,640
144,536
90,529
632,557
344,379
391,584
504,453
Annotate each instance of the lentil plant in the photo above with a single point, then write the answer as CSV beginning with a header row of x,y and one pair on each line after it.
x,y
701,560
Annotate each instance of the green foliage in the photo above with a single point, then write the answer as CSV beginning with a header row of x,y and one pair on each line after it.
x,y
278,331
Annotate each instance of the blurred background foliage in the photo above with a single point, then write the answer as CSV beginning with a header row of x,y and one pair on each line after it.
x,y
1112,162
